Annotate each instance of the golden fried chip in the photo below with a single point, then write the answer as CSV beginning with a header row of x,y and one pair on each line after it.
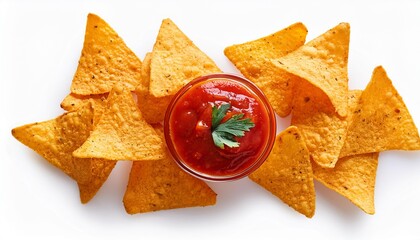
x,y
176,61
56,139
287,172
323,63
381,121
145,74
353,177
100,170
122,133
153,108
324,131
253,59
354,98
105,60
159,185
73,101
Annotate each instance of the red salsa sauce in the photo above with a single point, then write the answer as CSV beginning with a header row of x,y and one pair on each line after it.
x,y
190,127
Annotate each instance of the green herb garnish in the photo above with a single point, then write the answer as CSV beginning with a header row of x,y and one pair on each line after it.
x,y
225,133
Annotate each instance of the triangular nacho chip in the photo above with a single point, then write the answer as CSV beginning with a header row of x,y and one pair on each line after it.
x,y
323,63
250,57
100,170
153,108
353,177
73,101
381,121
324,131
287,172
145,74
253,59
160,185
56,139
122,133
176,61
105,60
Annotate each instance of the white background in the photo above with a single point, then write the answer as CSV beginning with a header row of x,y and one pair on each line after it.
x,y
40,43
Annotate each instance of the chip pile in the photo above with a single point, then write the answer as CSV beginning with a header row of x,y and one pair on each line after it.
x,y
342,130
104,123
116,106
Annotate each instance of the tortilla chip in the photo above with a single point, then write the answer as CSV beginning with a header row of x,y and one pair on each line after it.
x,y
100,170
287,172
253,59
324,131
160,185
122,133
105,60
353,177
176,61
73,101
354,98
381,121
56,139
153,108
145,74
323,63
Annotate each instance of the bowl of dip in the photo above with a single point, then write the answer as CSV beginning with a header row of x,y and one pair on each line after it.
x,y
219,127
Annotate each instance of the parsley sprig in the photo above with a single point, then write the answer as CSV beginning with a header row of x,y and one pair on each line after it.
x,y
225,133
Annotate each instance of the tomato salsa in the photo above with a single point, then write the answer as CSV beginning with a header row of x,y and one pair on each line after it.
x,y
188,127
